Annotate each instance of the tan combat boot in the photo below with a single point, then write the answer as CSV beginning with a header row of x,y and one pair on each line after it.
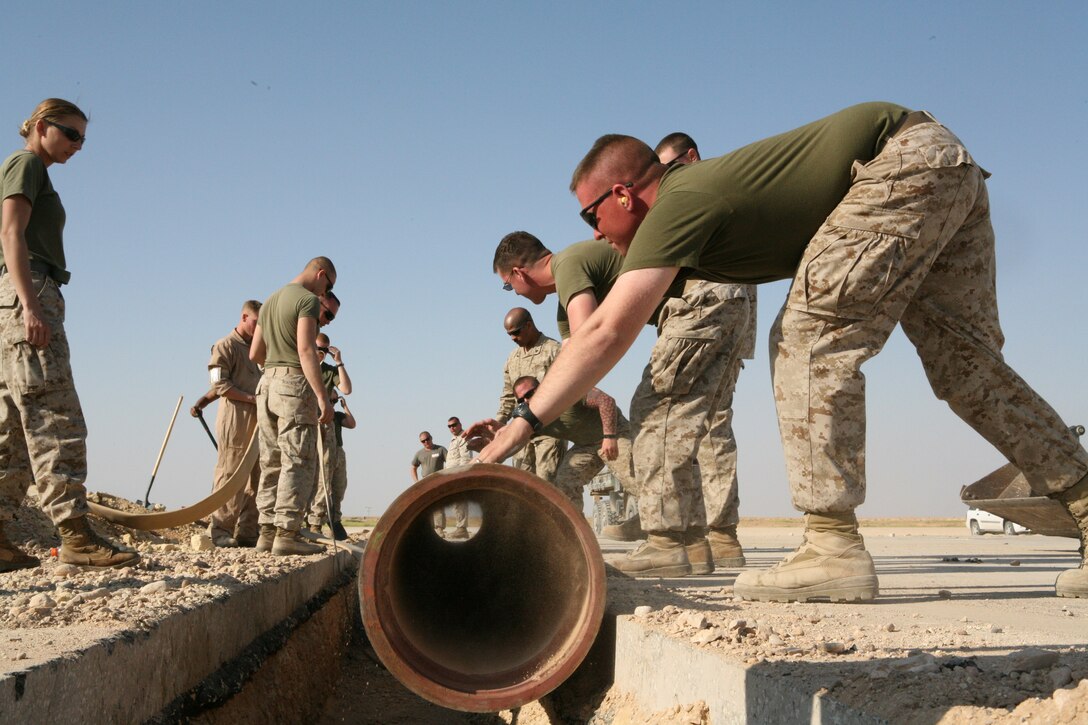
x,y
222,539
725,547
831,563
290,542
629,530
79,544
266,537
698,550
1074,582
660,555
12,557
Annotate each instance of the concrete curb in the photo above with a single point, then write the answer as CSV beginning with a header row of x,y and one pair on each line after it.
x,y
130,676
664,672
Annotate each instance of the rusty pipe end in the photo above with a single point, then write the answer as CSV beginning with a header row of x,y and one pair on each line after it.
x,y
492,622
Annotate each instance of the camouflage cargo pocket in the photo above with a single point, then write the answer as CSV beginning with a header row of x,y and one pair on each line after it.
x,y
26,368
291,398
677,362
854,261
687,344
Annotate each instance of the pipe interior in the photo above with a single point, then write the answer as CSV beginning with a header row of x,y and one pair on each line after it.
x,y
496,608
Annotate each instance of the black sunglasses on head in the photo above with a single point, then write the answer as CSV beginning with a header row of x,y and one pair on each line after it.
x,y
589,213
69,133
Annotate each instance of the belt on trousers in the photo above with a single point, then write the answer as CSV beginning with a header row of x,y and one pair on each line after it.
x,y
281,372
911,119
689,284
41,267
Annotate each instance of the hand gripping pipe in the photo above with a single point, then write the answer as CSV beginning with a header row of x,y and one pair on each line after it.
x,y
496,621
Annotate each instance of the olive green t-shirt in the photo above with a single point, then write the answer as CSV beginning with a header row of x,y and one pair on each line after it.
x,y
590,265
747,216
278,319
24,173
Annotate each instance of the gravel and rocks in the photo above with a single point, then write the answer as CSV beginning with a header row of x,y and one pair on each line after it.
x,y
59,607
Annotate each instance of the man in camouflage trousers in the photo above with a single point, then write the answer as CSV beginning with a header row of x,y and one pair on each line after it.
x,y
533,354
291,402
929,264
685,399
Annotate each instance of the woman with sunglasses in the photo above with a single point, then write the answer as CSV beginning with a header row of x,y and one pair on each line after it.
x,y
42,432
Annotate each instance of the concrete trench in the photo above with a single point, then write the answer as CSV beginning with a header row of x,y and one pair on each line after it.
x,y
285,650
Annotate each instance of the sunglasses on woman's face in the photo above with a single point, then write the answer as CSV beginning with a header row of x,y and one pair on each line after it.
x,y
69,133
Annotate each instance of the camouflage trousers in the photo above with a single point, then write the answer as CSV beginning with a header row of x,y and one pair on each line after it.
x,y
335,482
287,414
234,424
582,462
541,455
911,242
458,511
687,388
43,437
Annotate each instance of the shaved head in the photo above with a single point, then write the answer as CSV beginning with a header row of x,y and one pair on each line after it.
x,y
516,317
616,159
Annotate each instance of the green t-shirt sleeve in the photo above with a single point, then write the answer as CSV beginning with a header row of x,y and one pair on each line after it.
x,y
308,306
23,174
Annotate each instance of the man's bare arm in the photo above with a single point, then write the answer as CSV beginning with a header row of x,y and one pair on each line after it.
x,y
306,332
579,307
257,350
589,354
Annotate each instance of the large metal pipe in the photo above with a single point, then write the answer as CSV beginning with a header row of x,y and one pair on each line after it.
x,y
493,622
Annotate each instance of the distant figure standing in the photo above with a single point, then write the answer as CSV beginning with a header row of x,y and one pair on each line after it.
x,y
427,460
335,376
457,455
234,379
43,437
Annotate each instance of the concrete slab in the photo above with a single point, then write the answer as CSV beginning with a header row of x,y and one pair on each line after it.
x,y
947,599
129,676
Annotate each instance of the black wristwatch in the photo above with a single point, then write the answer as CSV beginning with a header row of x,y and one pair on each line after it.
x,y
521,410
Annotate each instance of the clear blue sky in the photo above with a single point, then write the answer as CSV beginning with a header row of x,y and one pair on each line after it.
x,y
231,142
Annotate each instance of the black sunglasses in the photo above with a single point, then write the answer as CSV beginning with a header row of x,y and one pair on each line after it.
x,y
453,425
516,331
589,213
527,396
323,349
69,133
329,315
